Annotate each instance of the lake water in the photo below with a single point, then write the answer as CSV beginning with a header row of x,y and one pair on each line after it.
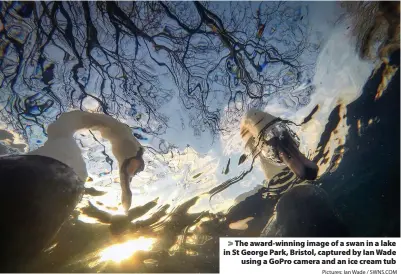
x,y
182,75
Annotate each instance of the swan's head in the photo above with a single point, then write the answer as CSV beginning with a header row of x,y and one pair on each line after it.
x,y
273,140
129,168
125,147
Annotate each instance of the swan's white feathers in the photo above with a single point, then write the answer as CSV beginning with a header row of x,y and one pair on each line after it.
x,y
252,124
62,146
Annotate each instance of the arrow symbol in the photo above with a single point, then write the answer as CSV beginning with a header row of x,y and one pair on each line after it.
x,y
230,243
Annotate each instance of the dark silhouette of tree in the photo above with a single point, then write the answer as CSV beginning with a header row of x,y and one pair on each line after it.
x,y
132,58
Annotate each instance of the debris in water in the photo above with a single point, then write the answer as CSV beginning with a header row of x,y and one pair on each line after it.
x,y
197,175
227,170
260,31
242,159
104,173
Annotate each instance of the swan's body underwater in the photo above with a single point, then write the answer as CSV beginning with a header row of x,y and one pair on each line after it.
x,y
276,146
305,211
40,190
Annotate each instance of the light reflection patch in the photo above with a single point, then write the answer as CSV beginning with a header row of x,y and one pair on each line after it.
x,y
120,252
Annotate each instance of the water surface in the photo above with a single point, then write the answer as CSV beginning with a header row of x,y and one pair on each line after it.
x,y
182,75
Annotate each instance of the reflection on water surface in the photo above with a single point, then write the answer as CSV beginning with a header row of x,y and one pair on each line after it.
x,y
121,252
182,75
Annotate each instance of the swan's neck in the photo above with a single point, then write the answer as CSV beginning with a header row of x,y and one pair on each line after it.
x,y
253,123
61,144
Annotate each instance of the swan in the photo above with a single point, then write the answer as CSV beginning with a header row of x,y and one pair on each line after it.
x,y
305,211
266,136
62,146
40,189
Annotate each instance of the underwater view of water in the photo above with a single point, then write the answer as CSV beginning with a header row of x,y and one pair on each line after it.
x,y
182,75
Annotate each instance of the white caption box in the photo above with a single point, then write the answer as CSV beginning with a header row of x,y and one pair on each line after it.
x,y
310,255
